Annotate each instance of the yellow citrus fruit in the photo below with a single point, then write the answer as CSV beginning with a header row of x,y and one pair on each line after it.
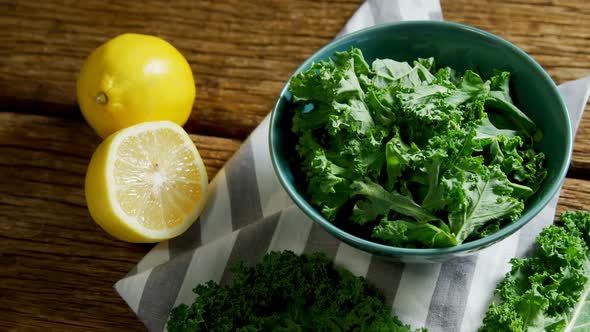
x,y
134,78
146,183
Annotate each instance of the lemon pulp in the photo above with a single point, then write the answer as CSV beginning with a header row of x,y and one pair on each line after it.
x,y
146,183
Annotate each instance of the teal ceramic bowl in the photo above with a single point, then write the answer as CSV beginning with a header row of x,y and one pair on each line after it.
x,y
460,47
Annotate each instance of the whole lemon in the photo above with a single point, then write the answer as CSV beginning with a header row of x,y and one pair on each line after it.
x,y
134,78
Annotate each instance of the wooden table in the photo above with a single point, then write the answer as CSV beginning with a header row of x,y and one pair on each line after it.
x,y
57,267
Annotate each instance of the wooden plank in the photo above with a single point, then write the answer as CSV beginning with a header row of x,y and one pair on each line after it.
x,y
581,153
58,267
575,195
241,52
70,143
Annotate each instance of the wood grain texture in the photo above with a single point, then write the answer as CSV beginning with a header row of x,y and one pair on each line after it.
x,y
581,153
242,51
58,266
575,195
46,136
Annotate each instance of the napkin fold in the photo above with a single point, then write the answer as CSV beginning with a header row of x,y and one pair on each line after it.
x,y
249,214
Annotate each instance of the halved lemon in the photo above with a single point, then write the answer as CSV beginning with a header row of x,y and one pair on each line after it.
x,y
146,183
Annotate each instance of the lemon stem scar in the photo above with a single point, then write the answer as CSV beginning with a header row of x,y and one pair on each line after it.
x,y
101,98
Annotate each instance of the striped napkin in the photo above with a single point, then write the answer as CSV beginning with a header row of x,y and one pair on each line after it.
x,y
249,214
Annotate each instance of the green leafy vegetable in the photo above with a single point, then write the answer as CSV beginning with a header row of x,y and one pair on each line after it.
x,y
401,231
392,149
550,290
479,194
287,292
378,201
500,99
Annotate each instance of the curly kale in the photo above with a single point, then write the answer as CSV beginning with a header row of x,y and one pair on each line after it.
x,y
412,155
548,291
287,292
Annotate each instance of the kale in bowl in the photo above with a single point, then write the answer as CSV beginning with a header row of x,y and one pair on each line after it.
x,y
412,155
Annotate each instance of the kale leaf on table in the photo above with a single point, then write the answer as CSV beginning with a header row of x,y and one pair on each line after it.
x,y
550,290
413,155
287,292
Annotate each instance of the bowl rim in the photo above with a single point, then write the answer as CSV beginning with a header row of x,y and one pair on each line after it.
x,y
391,251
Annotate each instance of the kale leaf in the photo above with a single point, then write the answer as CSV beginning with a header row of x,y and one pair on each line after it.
x,y
287,292
548,291
425,148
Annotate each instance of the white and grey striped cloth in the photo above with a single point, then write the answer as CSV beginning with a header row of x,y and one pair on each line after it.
x,y
249,214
